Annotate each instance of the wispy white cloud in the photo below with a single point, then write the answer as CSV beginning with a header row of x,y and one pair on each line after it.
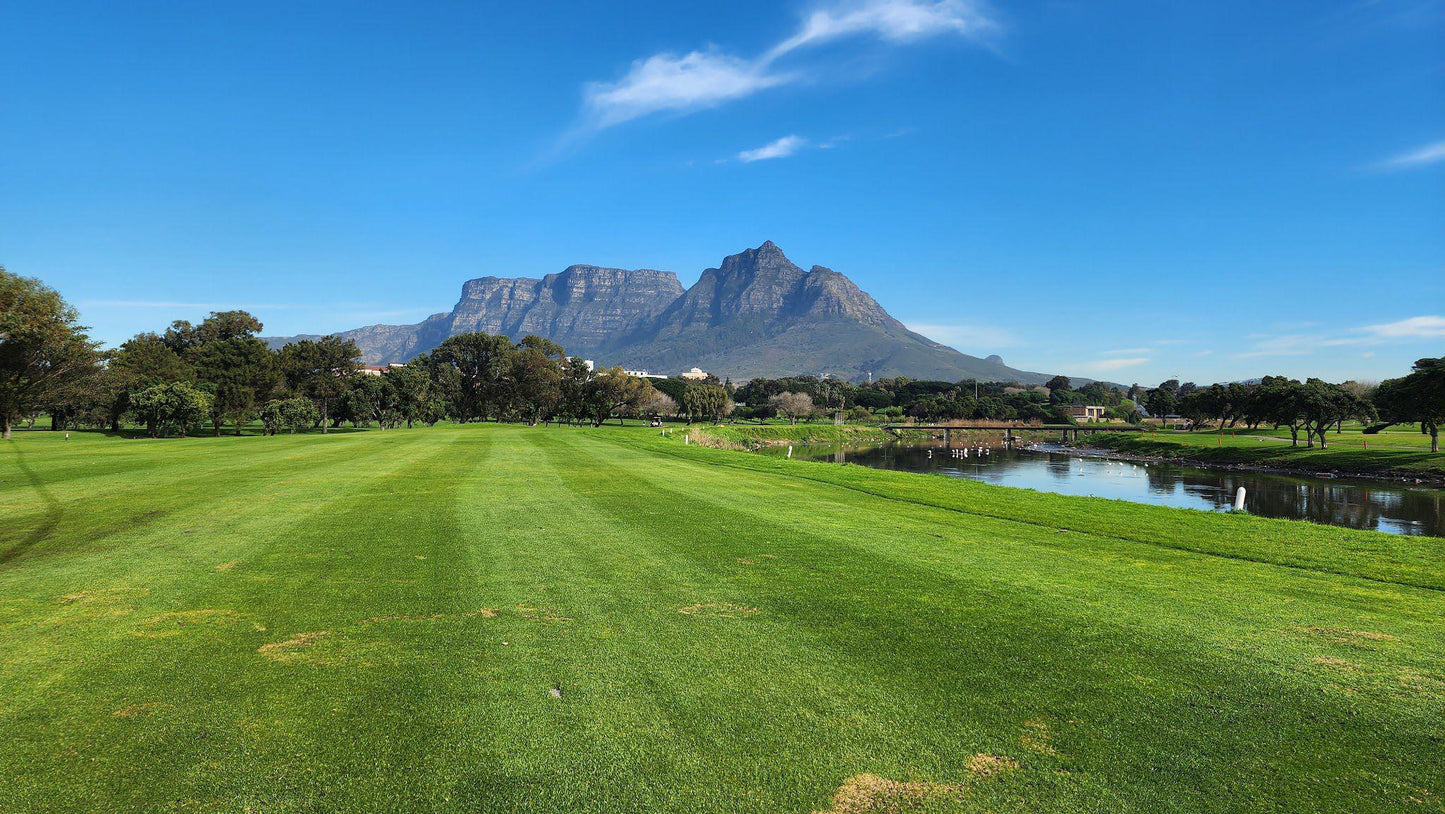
x,y
1127,351
977,337
1422,327
679,84
890,20
671,83
1404,331
1421,157
1108,365
782,148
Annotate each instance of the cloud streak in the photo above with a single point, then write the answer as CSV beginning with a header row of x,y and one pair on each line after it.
x,y
1404,331
782,148
1108,365
670,82
1422,157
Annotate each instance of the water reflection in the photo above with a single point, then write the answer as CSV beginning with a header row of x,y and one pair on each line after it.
x,y
1360,504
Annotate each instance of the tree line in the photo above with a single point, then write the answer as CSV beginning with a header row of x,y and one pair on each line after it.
x,y
220,373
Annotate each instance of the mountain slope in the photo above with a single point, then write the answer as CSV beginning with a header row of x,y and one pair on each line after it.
x,y
756,314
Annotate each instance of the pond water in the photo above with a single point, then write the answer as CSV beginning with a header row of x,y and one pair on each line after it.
x,y
1396,508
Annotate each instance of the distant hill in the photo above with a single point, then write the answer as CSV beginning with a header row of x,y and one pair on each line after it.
x,y
757,314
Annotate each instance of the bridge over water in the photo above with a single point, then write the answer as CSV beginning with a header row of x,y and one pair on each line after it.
x,y
1008,430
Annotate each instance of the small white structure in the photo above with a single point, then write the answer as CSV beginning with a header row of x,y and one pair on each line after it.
x,y
591,365
642,374
696,374
376,370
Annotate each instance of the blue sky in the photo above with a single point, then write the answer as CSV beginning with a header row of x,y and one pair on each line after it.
x,y
1128,190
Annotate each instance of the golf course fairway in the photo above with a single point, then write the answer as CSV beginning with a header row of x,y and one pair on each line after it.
x,y
500,618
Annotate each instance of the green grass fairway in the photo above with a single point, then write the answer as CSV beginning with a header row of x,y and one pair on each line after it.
x,y
369,622
1397,453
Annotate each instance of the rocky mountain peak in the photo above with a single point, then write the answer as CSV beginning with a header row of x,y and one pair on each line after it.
x,y
756,314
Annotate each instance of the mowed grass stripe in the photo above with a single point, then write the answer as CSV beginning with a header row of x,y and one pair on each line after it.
x,y
122,496
304,556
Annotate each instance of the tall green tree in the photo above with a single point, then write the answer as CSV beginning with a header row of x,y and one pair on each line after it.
x,y
43,348
319,370
1416,398
536,378
482,363
242,373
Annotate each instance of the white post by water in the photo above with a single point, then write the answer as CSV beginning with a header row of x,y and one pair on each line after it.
x,y
1239,499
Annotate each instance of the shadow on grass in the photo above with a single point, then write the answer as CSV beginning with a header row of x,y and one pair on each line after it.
x,y
53,511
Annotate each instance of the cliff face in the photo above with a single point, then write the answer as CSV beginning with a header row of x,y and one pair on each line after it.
x,y
582,309
756,314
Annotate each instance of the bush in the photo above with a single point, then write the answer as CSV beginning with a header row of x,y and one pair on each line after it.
x,y
164,408
292,414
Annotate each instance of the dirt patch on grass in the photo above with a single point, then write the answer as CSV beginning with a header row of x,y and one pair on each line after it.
x,y
177,622
226,566
292,649
101,602
724,610
869,792
485,613
1036,737
744,561
1344,635
983,765
137,710
1338,664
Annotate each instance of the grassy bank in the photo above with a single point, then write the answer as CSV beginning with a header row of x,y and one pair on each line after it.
x,y
1385,456
753,436
497,618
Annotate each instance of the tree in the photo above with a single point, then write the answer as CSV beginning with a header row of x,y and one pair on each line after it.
x,y
42,347
1162,400
482,363
701,400
659,404
792,406
369,398
295,413
1417,397
612,390
319,370
536,379
411,390
140,362
165,407
1323,405
242,373
1059,383
1280,404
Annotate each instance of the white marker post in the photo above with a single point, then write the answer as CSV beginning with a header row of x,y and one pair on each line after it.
x,y
1239,499
790,452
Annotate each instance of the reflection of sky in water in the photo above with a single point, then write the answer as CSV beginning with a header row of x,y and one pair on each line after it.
x,y
1390,507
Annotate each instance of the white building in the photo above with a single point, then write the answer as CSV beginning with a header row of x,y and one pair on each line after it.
x,y
696,375
642,374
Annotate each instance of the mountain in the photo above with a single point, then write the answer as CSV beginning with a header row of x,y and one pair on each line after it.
x,y
756,314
